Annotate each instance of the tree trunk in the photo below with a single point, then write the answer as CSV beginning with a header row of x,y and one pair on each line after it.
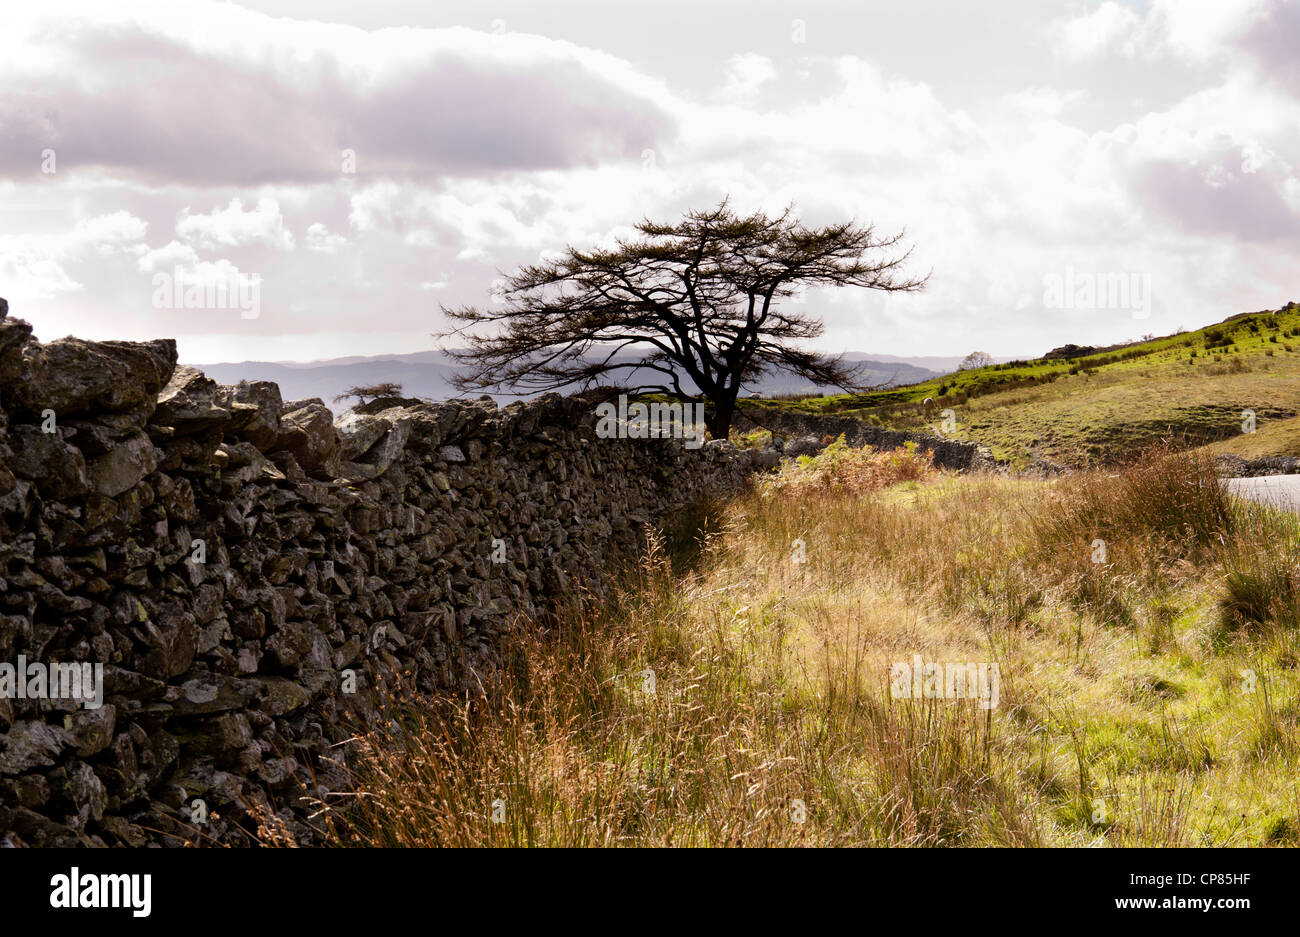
x,y
719,420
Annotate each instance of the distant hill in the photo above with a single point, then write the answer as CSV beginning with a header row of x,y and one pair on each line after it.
x,y
939,364
428,374
421,374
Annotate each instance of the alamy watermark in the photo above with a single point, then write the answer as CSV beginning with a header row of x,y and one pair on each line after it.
x,y
651,421
977,680
221,290
1111,290
34,680
76,889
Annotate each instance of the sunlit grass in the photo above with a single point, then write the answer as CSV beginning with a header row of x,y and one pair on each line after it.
x,y
745,699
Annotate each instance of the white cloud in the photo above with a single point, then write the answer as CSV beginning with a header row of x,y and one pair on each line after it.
x,y
1195,31
746,73
217,272
1111,27
35,266
30,275
233,227
108,234
320,239
1203,29
173,254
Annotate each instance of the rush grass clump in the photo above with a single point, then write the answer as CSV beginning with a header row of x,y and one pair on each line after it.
x,y
1169,501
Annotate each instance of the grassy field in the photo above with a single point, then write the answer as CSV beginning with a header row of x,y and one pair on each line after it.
x,y
1101,408
740,689
1275,437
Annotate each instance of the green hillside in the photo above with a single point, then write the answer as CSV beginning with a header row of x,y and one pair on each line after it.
x,y
1104,405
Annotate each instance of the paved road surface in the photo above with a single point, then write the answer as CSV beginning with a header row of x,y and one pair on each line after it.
x,y
1281,491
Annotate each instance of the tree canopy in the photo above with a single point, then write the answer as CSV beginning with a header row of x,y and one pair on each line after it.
x,y
976,359
714,299
370,392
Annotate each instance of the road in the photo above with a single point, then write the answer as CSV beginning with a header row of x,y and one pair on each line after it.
x,y
1281,491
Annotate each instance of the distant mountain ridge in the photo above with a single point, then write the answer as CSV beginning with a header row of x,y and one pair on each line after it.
x,y
428,374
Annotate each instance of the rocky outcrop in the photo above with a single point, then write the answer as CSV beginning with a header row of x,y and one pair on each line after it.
x,y
249,573
1233,466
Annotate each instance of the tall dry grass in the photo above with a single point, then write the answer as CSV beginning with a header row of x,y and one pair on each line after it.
x,y
736,689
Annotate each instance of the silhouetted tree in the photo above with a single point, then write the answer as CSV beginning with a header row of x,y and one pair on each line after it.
x,y
707,299
371,392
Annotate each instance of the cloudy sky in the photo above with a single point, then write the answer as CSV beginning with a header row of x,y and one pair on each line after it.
x,y
368,162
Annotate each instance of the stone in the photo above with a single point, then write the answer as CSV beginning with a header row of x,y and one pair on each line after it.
x,y
383,453
245,462
191,402
86,792
255,408
307,433
124,466
90,731
29,744
358,432
33,829
14,334
211,693
100,433
58,468
280,696
71,375
31,791
803,445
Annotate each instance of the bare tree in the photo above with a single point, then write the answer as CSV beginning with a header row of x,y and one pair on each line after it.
x,y
976,359
706,299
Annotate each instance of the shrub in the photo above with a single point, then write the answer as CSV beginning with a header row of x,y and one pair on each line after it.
x,y
1217,338
754,439
841,469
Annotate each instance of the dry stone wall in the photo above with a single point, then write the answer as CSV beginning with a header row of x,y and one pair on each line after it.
x,y
954,454
229,557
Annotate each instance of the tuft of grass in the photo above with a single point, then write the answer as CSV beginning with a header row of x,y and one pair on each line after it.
x,y
1260,590
844,470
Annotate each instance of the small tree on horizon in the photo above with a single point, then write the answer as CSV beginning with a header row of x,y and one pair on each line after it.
x,y
707,298
367,393
976,359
